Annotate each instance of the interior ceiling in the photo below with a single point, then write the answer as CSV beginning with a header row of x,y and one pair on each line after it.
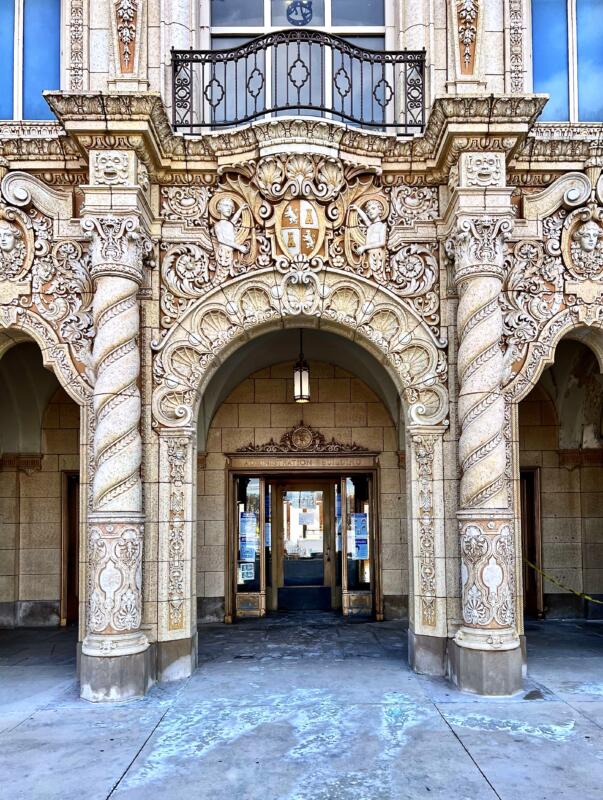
x,y
278,346
26,387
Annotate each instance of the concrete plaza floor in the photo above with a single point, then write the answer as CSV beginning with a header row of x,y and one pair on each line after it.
x,y
304,708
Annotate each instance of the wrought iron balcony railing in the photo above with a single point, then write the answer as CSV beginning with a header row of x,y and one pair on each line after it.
x,y
299,72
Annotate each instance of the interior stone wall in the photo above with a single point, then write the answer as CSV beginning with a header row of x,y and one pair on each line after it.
x,y
30,519
262,407
571,483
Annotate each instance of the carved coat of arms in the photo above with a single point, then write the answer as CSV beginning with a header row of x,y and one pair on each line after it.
x,y
300,228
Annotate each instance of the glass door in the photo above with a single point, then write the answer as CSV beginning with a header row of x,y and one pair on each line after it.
x,y
356,501
250,551
305,573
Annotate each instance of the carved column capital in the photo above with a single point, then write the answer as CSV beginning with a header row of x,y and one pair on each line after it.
x,y
118,245
477,246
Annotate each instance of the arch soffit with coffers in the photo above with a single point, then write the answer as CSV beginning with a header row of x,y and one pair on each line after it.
x,y
349,305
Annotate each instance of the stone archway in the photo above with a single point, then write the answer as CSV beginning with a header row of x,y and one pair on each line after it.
x,y
392,331
541,355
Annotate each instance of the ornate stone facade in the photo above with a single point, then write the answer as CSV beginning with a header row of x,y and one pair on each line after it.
x,y
144,263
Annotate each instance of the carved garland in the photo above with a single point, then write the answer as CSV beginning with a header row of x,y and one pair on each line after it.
x,y
305,440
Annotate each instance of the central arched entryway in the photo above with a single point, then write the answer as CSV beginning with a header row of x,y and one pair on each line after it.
x,y
301,505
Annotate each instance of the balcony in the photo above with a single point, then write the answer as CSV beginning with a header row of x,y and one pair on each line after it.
x,y
299,72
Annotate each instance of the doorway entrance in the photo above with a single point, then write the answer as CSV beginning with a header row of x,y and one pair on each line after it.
x,y
304,542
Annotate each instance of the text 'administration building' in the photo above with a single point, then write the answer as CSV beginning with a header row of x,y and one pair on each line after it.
x,y
300,308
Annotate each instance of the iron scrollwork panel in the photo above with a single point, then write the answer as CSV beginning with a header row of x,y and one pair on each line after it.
x,y
298,72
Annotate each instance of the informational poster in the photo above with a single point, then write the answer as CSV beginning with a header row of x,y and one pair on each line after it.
x,y
267,534
246,572
306,518
248,535
360,528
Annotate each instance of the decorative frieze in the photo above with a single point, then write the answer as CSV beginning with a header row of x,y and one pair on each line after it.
x,y
178,455
423,448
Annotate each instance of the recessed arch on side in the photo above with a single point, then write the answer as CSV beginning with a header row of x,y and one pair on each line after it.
x,y
20,324
541,352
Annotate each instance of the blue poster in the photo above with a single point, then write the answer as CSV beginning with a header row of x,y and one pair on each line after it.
x,y
248,535
360,528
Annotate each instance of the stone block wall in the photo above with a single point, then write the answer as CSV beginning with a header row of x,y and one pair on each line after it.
x,y
261,408
31,519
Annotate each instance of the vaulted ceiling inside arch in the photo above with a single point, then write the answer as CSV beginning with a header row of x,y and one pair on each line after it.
x,y
279,346
575,385
26,387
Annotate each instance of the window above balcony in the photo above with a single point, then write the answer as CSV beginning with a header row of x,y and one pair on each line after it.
x,y
30,57
322,58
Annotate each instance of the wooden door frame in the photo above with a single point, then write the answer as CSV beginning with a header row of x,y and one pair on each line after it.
x,y
296,468
65,475
535,472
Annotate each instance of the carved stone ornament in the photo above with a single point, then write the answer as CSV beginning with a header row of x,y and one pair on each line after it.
x,y
304,440
482,169
423,447
126,17
554,284
467,12
115,578
488,584
16,244
177,450
118,245
186,204
110,168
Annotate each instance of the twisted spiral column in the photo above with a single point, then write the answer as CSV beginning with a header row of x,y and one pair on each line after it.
x,y
486,540
116,529
117,405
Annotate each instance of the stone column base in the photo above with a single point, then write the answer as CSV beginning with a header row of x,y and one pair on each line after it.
x,y
176,658
115,678
427,654
487,672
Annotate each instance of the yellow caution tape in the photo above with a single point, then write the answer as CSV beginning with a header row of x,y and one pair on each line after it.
x,y
563,586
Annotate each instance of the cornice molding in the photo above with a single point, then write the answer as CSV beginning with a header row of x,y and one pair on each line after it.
x,y
139,121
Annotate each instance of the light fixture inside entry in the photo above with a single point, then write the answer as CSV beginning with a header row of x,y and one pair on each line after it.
x,y
301,377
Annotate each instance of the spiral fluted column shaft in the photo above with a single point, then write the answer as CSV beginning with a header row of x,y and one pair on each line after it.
x,y
116,531
117,405
486,540
481,405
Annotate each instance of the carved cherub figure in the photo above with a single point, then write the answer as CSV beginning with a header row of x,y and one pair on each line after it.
x,y
587,248
12,249
225,231
375,237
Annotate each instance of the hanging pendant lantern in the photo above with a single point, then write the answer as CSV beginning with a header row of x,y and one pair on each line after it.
x,y
301,377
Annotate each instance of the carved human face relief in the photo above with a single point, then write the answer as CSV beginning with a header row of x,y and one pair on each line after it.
x,y
111,168
226,208
9,234
12,250
374,210
588,236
